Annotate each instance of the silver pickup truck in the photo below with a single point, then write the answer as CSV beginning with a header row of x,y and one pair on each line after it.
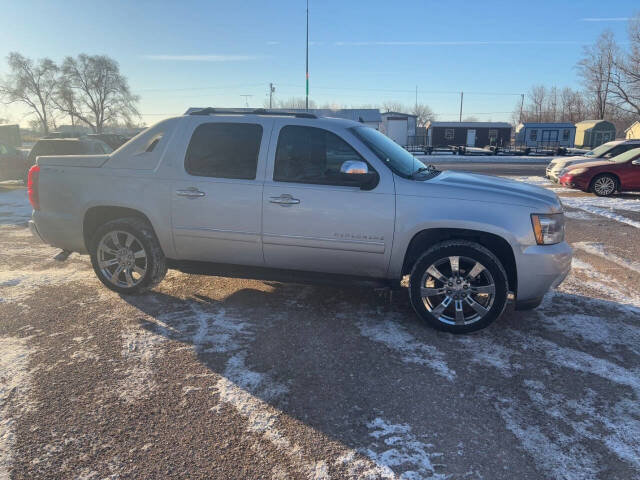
x,y
293,197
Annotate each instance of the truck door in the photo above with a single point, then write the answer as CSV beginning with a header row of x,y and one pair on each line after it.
x,y
312,219
217,200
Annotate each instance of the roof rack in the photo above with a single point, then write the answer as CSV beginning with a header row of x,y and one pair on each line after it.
x,y
257,111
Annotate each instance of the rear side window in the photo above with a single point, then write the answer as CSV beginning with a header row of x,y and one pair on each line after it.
x,y
311,155
224,150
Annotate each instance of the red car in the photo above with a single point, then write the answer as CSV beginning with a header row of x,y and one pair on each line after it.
x,y
604,177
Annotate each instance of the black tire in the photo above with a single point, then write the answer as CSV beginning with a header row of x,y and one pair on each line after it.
x,y
156,265
469,251
607,179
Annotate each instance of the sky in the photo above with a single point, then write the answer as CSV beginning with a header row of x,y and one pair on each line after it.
x,y
209,53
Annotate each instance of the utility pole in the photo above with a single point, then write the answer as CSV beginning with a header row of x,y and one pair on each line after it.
x,y
246,99
306,102
521,105
272,90
461,99
416,110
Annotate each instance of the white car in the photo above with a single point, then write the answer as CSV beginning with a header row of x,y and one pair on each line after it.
x,y
604,151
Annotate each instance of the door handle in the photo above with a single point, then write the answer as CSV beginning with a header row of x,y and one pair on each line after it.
x,y
190,193
284,199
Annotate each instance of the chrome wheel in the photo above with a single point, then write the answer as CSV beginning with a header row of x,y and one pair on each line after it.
x,y
122,259
457,290
604,186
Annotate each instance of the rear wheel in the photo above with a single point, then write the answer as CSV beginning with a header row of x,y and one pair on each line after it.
x,y
458,286
127,257
604,185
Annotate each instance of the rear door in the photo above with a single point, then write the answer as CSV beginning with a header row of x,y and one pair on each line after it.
x,y
314,221
217,200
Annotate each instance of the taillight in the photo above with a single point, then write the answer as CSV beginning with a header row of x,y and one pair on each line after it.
x,y
32,187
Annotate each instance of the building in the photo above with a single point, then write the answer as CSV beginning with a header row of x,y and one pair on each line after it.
x,y
468,134
368,116
591,133
546,135
399,127
633,132
10,135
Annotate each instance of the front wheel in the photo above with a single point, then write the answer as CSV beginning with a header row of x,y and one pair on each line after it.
x,y
458,286
604,185
127,257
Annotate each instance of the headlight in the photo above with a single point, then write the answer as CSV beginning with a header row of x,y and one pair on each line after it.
x,y
548,228
574,171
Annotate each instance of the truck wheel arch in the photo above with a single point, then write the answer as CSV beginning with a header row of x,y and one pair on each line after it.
x,y
500,247
96,216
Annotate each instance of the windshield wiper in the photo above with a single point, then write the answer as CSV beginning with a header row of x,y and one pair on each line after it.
x,y
429,168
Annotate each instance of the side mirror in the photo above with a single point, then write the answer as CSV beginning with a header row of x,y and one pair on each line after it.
x,y
608,155
636,162
357,173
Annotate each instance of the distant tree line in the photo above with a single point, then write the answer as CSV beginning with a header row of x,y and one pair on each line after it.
x,y
87,90
610,77
422,111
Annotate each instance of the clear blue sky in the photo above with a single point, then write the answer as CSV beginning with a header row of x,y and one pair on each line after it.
x,y
209,53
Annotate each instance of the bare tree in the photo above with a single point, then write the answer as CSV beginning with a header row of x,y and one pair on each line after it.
x,y
626,78
537,98
596,69
32,84
95,92
393,106
293,102
423,114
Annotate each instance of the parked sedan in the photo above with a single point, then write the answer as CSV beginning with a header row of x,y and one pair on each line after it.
x,y
604,177
13,164
605,151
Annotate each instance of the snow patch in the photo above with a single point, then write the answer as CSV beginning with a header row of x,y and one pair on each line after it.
x,y
599,250
14,388
578,215
14,207
397,338
397,448
578,203
139,347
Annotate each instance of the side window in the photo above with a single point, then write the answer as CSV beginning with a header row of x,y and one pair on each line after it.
x,y
311,155
617,151
224,150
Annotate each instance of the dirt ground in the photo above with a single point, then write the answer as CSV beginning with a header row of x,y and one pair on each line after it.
x,y
218,378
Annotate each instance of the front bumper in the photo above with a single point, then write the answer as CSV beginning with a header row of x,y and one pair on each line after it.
x,y
540,268
574,182
552,174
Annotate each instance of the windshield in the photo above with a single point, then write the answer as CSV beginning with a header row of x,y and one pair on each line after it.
x,y
601,150
393,155
626,156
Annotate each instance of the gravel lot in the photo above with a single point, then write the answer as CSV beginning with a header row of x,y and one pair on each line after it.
x,y
210,377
